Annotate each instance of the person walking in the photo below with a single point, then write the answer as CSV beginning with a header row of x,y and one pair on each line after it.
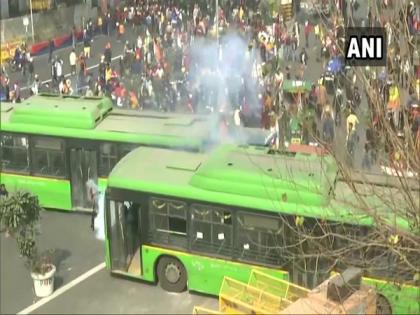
x,y
73,62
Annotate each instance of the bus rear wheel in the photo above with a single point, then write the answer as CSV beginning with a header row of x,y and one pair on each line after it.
x,y
172,275
382,305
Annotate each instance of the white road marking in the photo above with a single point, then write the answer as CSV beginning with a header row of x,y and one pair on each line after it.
x,y
63,289
69,74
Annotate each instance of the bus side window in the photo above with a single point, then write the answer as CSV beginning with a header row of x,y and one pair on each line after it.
x,y
260,238
48,157
211,230
168,220
15,155
108,157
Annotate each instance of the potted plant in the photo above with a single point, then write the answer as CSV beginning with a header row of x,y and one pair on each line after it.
x,y
20,214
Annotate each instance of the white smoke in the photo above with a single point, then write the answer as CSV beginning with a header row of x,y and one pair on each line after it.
x,y
100,218
223,72
224,76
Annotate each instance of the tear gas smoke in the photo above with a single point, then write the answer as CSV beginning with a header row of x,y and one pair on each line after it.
x,y
222,76
100,218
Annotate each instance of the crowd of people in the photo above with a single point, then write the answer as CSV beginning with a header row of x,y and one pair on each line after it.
x,y
158,70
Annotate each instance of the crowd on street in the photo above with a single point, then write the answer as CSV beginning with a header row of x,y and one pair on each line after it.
x,y
159,65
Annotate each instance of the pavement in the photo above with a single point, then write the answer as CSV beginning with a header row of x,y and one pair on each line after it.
x,y
77,252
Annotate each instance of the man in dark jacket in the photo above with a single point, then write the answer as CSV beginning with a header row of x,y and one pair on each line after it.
x,y
328,129
108,53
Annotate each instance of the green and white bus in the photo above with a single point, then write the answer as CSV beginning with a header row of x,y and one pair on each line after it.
x,y
52,145
187,219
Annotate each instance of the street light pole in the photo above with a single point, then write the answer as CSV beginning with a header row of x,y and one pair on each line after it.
x,y
32,22
217,20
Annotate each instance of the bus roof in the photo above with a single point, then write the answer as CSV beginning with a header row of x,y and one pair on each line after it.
x,y
242,176
94,118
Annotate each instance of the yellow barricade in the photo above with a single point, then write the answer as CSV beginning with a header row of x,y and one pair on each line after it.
x,y
276,287
198,310
263,294
240,298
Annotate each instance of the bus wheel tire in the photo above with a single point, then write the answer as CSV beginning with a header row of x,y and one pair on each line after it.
x,y
172,275
382,305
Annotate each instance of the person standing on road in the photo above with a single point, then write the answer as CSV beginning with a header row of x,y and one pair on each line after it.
x,y
108,24
53,74
59,68
31,70
51,50
102,69
108,53
352,121
328,128
304,57
86,45
73,37
307,31
82,76
35,86
73,62
99,23
121,31
16,93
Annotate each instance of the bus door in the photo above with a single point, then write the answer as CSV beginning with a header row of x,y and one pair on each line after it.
x,y
83,167
124,230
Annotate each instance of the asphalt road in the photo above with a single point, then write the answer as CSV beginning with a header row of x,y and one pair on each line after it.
x,y
76,252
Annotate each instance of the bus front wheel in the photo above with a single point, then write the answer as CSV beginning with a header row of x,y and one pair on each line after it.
x,y
172,275
382,305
